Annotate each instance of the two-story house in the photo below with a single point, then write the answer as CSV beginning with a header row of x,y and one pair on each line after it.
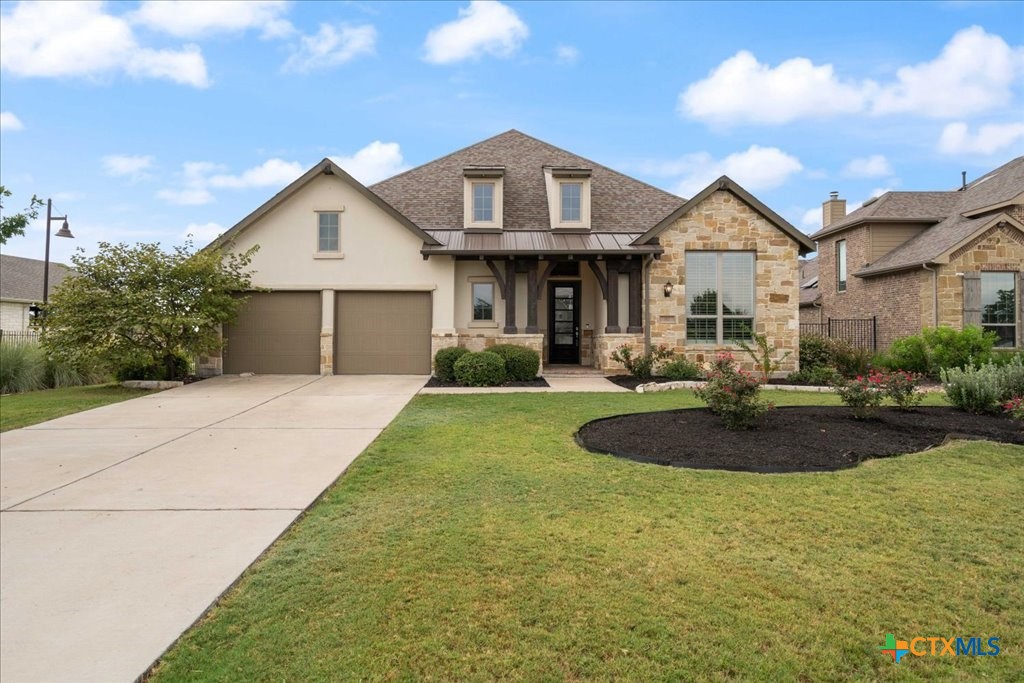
x,y
928,259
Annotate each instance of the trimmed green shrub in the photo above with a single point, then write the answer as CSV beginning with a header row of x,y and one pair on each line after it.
x,y
821,352
818,376
681,370
941,348
480,369
521,363
444,362
984,389
22,367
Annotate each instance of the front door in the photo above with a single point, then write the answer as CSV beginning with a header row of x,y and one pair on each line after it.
x,y
564,323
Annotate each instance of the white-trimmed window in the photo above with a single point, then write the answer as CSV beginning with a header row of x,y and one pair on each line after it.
x,y
328,231
719,296
483,202
841,266
482,294
571,201
999,306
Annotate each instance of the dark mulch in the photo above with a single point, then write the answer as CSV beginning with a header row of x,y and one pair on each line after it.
x,y
535,382
630,382
791,439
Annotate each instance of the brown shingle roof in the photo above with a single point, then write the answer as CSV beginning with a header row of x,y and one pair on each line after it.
x,y
1001,185
929,207
21,279
431,196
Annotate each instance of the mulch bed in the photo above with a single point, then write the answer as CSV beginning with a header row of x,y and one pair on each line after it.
x,y
790,439
535,382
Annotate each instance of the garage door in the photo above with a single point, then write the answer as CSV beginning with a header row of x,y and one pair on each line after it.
x,y
382,333
277,333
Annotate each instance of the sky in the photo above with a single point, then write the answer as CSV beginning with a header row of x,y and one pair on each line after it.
x,y
152,121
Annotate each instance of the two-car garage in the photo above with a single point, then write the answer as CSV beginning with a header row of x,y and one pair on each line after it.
x,y
375,332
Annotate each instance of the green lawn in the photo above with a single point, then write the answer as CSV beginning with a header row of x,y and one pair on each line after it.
x,y
475,541
22,410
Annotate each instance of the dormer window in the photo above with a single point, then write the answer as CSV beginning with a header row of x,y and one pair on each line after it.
x,y
483,194
572,194
568,198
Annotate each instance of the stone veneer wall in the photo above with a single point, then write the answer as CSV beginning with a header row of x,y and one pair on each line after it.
x,y
723,222
998,249
605,345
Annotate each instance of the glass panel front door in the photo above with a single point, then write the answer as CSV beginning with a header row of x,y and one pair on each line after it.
x,y
564,323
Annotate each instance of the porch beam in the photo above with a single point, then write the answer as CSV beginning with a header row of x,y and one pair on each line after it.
x,y
497,276
510,297
543,280
612,297
599,276
532,294
635,299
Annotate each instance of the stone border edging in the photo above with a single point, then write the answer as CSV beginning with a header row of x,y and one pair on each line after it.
x,y
150,384
665,386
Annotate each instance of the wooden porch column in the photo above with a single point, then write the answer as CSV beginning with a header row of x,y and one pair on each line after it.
x,y
635,298
612,298
532,294
510,297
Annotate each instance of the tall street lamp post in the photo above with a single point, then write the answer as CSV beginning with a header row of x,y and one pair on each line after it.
x,y
63,232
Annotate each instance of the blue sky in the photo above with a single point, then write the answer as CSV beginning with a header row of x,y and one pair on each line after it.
x,y
147,121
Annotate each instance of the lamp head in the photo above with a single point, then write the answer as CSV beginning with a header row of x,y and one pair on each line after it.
x,y
64,232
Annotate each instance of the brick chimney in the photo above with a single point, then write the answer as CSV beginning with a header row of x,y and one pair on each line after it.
x,y
833,209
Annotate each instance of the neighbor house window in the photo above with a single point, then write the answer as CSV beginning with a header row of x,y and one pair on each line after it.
x,y
483,202
328,231
572,202
999,306
719,296
841,265
483,301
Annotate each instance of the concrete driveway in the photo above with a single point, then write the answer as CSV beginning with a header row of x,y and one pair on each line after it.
x,y
120,525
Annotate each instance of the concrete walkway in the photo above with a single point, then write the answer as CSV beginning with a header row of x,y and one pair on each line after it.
x,y
120,525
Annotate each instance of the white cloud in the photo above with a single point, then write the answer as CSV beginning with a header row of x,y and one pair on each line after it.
x,y
127,165
332,46
757,168
811,220
271,173
79,39
957,138
10,122
194,181
376,161
567,54
186,197
975,72
874,166
201,18
485,27
203,232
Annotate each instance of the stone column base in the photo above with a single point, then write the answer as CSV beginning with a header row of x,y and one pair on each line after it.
x,y
605,345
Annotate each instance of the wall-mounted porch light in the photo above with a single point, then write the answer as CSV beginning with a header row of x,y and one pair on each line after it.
x,y
667,289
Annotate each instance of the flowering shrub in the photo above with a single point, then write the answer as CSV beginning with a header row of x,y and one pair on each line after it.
x,y
1015,407
863,394
641,365
901,387
733,394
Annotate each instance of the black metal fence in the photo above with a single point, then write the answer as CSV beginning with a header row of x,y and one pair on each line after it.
x,y
861,333
18,336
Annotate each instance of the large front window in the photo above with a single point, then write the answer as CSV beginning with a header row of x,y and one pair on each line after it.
x,y
572,202
483,202
999,306
719,296
483,301
841,266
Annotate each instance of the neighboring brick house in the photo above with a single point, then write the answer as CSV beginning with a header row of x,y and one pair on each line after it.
x,y
925,259
810,297
510,240
21,286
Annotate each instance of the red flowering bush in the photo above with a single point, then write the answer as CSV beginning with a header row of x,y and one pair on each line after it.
x,y
1015,407
733,394
901,387
863,394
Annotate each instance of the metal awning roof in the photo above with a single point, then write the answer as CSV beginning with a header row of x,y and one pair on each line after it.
x,y
535,243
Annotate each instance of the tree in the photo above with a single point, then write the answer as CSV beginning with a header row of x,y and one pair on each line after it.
x,y
15,224
139,306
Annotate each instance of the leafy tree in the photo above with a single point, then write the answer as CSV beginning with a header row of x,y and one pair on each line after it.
x,y
139,306
15,224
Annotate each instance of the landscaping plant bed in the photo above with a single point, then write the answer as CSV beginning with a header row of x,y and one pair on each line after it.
x,y
535,382
792,439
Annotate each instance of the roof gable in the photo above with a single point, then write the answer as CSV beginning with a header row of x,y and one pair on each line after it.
x,y
727,184
325,167
431,195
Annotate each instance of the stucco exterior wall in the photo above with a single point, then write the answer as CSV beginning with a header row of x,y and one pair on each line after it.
x,y
723,222
14,316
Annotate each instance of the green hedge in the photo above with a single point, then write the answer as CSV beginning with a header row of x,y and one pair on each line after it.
x,y
521,364
480,369
444,362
